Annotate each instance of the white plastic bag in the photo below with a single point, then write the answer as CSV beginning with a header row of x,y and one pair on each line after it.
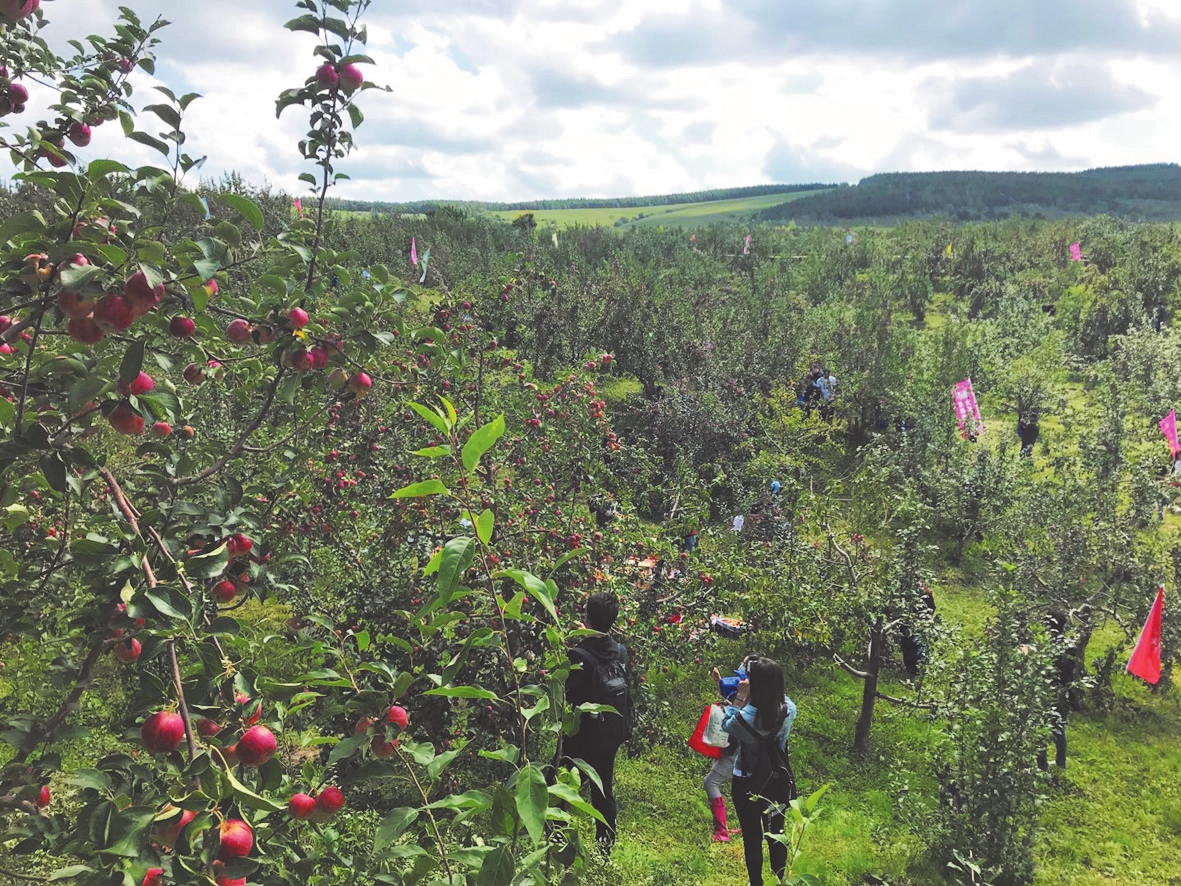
x,y
713,735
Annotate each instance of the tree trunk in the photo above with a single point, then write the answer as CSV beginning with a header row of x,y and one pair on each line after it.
x,y
869,689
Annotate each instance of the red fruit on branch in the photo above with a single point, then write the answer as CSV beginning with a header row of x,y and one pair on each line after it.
x,y
360,384
154,877
79,134
163,732
168,832
238,332
141,384
126,420
351,78
114,313
238,545
237,839
330,800
182,327
85,331
142,295
301,806
161,429
129,650
398,716
43,798
326,76
382,748
207,728
298,318
225,591
256,746
73,305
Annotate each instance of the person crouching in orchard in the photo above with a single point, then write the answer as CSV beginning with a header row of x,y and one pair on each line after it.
x,y
760,719
601,679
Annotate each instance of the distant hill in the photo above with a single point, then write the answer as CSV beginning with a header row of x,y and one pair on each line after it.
x,y
1149,192
423,206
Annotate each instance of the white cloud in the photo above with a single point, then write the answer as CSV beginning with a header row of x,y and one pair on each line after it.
x,y
513,99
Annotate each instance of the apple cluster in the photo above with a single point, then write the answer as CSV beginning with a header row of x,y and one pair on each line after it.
x,y
13,96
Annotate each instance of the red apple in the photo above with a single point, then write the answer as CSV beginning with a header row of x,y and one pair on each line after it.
x,y
182,327
298,318
360,384
140,385
330,801
79,134
382,748
211,287
85,331
256,746
207,728
225,591
154,877
351,78
162,429
168,832
43,798
126,420
237,839
398,716
73,305
319,357
163,732
301,806
326,76
238,332
129,650
142,295
114,313
238,545
194,374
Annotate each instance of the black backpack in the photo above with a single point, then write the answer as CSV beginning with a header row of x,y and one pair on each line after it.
x,y
771,776
610,687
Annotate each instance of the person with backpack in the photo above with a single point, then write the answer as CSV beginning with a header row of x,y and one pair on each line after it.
x,y
601,679
760,719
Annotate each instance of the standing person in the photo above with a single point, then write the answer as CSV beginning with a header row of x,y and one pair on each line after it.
x,y
760,718
722,772
827,385
1028,430
811,395
602,679
1064,663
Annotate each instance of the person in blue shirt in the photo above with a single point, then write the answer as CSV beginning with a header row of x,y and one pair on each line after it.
x,y
760,709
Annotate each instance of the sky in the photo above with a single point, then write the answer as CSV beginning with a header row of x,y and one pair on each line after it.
x,y
527,99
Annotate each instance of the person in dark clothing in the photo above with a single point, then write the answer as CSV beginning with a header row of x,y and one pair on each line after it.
x,y
914,651
760,716
1063,678
1028,430
601,679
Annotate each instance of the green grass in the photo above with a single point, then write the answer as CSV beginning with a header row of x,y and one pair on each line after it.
x,y
674,214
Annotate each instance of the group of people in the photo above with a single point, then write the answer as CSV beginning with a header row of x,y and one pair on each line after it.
x,y
755,713
818,392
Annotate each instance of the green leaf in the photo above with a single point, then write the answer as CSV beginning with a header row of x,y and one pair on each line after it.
x,y
248,798
568,794
54,470
433,418
418,490
534,586
433,452
498,868
133,362
169,602
75,277
394,825
348,747
457,557
208,565
532,801
569,555
70,873
463,692
481,441
484,525
246,208
440,762
144,139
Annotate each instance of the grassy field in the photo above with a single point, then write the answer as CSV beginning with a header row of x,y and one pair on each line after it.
x,y
680,214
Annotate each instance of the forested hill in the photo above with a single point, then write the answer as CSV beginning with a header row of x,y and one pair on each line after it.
x,y
1149,192
583,202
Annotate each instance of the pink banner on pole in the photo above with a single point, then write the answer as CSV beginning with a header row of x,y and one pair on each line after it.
x,y
963,398
1168,426
413,252
1076,252
298,207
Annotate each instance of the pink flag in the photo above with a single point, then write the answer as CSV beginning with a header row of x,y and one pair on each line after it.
x,y
746,245
1076,252
1145,660
1168,426
963,398
298,207
413,252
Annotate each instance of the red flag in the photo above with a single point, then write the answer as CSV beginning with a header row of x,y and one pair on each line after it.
x,y
1145,661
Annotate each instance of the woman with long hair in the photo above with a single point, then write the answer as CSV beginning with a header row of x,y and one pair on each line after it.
x,y
760,719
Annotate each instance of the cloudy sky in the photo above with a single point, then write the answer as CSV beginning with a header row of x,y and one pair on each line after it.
x,y
521,99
